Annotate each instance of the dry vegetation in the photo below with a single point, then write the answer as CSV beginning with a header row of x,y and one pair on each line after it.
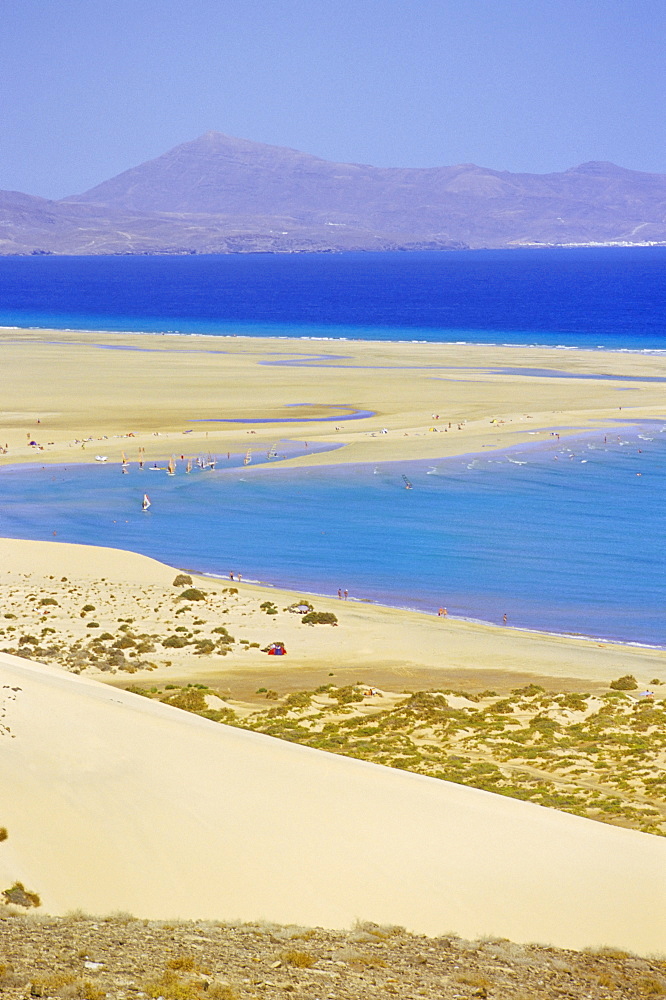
x,y
99,627
602,757
81,958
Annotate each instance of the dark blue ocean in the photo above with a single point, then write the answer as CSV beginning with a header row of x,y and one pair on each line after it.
x,y
567,537
582,297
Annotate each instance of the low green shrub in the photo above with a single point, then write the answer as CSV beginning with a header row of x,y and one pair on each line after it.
x,y
188,699
625,683
319,618
182,580
125,643
204,646
192,594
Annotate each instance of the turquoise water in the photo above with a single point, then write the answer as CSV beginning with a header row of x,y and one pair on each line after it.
x,y
567,536
563,540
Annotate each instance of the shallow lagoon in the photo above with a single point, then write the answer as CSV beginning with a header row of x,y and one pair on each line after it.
x,y
567,536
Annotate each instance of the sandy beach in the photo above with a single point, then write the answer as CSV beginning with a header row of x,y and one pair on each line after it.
x,y
117,392
247,826
385,647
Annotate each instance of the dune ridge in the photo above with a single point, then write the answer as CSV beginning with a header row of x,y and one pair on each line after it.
x,y
113,802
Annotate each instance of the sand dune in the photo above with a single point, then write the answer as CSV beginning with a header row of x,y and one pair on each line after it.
x,y
113,802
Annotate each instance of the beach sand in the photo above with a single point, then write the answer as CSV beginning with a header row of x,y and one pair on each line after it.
x,y
119,392
378,646
117,802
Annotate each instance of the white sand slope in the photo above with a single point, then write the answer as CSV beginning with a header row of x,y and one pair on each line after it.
x,y
114,802
82,562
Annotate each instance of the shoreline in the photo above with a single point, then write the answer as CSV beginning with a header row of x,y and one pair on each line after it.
x,y
285,592
107,759
314,459
430,402
264,328
373,637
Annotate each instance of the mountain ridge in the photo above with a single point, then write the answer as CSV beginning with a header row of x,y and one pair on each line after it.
x,y
218,193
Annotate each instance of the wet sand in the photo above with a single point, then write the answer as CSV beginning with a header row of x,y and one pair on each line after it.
x,y
117,392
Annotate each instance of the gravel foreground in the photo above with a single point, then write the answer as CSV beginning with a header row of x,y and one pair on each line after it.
x,y
78,957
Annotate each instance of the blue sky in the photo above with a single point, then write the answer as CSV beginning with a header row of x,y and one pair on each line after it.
x,y
92,87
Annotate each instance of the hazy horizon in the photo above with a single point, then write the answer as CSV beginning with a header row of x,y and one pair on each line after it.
x,y
92,90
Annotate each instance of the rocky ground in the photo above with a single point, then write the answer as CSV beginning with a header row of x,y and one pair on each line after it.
x,y
78,957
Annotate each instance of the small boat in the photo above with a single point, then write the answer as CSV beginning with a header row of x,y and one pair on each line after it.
x,y
273,452
145,503
171,467
123,459
188,467
101,458
248,457
408,485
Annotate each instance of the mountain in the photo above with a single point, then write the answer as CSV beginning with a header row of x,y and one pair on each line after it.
x,y
220,194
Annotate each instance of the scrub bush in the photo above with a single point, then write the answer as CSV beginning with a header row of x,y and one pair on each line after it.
x,y
191,594
625,683
20,896
319,618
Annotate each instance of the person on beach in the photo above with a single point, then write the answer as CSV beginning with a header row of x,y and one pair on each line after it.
x,y
346,594
339,594
442,613
504,619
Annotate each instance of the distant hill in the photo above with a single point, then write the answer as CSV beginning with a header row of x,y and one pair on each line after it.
x,y
219,194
